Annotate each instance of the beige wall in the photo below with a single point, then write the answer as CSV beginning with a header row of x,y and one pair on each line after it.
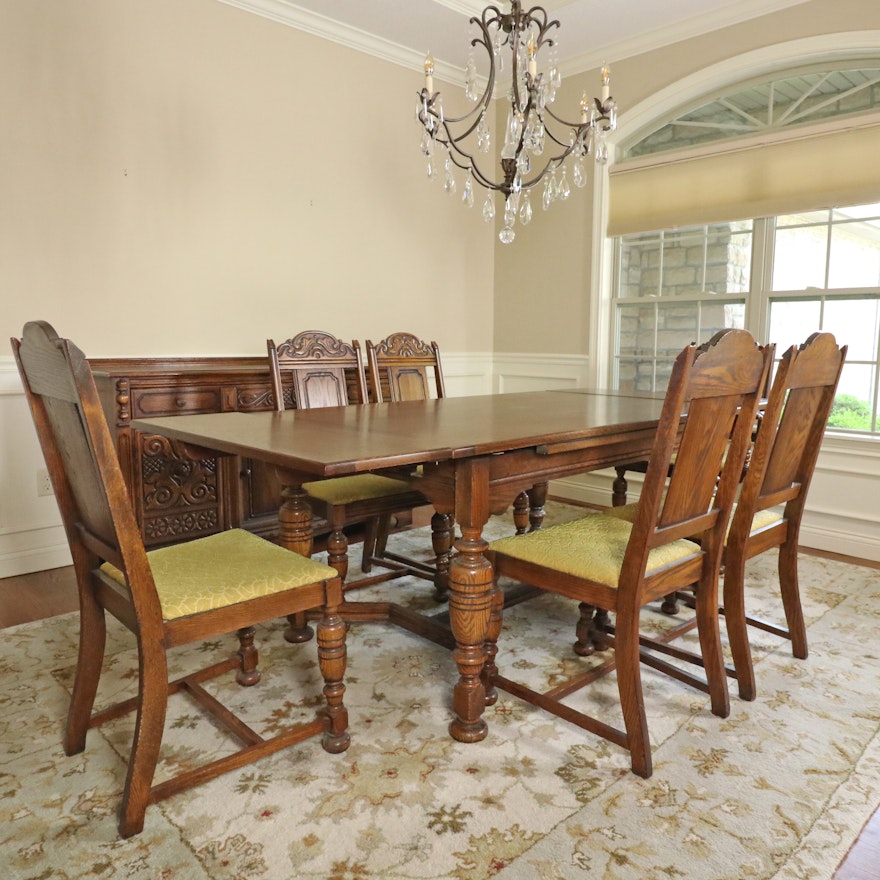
x,y
182,177
547,271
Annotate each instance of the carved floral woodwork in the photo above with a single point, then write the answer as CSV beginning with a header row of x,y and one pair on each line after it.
x,y
176,498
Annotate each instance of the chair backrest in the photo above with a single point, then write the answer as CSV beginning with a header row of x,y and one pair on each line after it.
x,y
718,385
320,366
790,433
83,465
399,366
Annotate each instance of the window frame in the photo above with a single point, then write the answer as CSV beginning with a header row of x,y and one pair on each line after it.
x,y
758,301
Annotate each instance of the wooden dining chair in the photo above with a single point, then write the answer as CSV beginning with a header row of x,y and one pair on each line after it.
x,y
402,368
315,369
779,469
168,597
613,565
779,473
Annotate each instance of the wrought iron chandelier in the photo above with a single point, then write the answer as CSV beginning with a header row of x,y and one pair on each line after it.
x,y
532,130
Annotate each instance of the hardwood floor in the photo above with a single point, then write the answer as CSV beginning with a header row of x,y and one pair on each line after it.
x,y
36,596
47,593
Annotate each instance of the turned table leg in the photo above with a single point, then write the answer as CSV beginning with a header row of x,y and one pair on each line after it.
x,y
295,533
470,600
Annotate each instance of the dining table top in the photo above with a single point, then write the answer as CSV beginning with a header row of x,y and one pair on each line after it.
x,y
336,441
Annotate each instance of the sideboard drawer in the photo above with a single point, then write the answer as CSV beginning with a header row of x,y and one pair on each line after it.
x,y
171,402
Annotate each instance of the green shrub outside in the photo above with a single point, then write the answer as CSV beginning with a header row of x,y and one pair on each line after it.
x,y
850,412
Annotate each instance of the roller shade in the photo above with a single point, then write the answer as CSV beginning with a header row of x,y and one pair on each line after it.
x,y
803,174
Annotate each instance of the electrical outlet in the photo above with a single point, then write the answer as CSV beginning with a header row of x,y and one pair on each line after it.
x,y
44,484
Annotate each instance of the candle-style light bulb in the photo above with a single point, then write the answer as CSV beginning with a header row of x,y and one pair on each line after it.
x,y
429,73
533,52
585,109
606,83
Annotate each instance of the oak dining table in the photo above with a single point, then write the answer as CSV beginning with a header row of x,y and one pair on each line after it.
x,y
470,456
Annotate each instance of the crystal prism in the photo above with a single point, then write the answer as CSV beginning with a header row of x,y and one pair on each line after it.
x,y
564,188
468,195
489,208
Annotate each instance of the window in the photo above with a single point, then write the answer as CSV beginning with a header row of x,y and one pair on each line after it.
x,y
797,98
825,275
674,287
781,277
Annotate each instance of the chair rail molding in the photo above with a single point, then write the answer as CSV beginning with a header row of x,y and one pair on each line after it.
x,y
522,371
467,373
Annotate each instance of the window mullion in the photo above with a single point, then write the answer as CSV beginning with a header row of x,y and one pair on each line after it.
x,y
757,318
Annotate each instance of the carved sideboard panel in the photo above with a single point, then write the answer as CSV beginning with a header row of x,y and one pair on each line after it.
x,y
175,498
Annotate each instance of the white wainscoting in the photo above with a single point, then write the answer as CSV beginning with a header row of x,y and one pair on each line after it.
x,y
31,535
843,514
538,372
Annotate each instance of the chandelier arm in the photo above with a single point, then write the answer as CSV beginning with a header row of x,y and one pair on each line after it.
x,y
484,21
468,162
543,26
565,122
454,120
536,180
578,129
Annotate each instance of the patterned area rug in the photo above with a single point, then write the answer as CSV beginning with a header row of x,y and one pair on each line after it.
x,y
777,790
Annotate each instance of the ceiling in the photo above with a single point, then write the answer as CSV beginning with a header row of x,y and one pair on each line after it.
x,y
591,31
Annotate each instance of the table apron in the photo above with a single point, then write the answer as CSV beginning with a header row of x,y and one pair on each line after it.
x,y
510,473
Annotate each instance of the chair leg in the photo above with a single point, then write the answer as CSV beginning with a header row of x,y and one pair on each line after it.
x,y
528,509
791,598
371,527
248,674
337,544
152,706
632,701
584,646
669,605
619,488
92,639
521,513
735,620
383,530
297,629
710,645
331,660
537,499
442,539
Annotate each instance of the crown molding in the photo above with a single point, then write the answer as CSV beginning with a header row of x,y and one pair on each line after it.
x,y
476,7
287,12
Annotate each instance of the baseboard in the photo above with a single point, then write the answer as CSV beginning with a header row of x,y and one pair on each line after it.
x,y
38,559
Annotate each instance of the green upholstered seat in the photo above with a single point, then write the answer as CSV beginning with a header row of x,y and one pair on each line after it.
x,y
591,548
360,487
223,569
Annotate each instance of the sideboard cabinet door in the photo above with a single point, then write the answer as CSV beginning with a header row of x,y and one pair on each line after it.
x,y
176,498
